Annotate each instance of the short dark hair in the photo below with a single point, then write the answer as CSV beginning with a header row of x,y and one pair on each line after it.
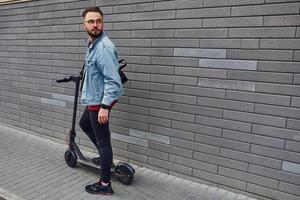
x,y
92,9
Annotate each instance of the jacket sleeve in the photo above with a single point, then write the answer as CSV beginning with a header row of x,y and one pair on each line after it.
x,y
112,82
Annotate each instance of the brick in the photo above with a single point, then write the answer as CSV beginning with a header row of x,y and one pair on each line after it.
x,y
170,149
170,166
282,55
289,188
233,22
175,43
132,8
180,116
174,79
282,133
132,42
174,61
155,69
219,179
280,43
194,164
178,23
228,64
222,142
258,98
243,166
144,151
273,1
251,178
138,76
253,139
275,174
174,97
251,158
200,72
206,53
296,102
202,33
225,104
170,14
149,136
224,123
277,88
196,110
172,132
293,146
203,13
293,124
220,43
152,33
274,194
130,25
152,51
137,93
277,111
110,3
272,32
226,84
129,139
197,128
291,167
267,9
118,129
195,146
150,103
162,87
132,108
131,124
296,56
260,76
275,153
296,79
288,20
150,120
206,92
177,4
213,3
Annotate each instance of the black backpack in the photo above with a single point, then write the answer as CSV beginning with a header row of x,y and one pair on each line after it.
x,y
122,64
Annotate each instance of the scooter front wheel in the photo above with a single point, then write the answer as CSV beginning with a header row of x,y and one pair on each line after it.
x,y
71,158
125,174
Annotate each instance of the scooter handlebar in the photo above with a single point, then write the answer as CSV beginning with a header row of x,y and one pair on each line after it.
x,y
71,78
63,80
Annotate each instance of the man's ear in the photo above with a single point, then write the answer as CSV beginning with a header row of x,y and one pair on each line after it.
x,y
84,26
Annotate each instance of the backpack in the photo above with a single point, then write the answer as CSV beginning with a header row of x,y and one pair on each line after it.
x,y
122,64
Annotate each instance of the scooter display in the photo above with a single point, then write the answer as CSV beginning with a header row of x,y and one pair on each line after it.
x,y
124,171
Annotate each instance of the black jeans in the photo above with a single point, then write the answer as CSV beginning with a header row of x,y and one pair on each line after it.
x,y
100,136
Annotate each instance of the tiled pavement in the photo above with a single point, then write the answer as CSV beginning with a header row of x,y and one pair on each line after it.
x,y
33,168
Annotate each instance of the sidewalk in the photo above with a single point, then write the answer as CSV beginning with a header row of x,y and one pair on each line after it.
x,y
33,168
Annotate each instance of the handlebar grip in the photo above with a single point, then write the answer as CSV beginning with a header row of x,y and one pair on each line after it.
x,y
63,80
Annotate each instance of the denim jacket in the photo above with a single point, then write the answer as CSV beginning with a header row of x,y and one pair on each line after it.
x,y
102,83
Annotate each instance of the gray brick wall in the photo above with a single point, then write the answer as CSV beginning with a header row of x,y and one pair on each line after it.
x,y
213,95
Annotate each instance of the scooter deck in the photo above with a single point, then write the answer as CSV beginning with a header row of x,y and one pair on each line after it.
x,y
88,162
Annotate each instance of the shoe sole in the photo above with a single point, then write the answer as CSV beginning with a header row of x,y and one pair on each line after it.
x,y
100,193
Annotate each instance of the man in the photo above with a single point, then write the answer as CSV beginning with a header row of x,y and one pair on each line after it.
x,y
100,90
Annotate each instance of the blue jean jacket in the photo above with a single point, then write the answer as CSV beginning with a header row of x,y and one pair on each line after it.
x,y
102,83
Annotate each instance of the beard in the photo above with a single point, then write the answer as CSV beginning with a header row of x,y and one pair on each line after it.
x,y
94,33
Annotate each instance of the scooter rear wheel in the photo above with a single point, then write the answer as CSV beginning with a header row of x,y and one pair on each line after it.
x,y
71,158
125,175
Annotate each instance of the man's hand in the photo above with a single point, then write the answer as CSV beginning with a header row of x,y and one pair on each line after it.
x,y
103,116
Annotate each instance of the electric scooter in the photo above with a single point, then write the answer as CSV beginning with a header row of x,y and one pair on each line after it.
x,y
124,171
